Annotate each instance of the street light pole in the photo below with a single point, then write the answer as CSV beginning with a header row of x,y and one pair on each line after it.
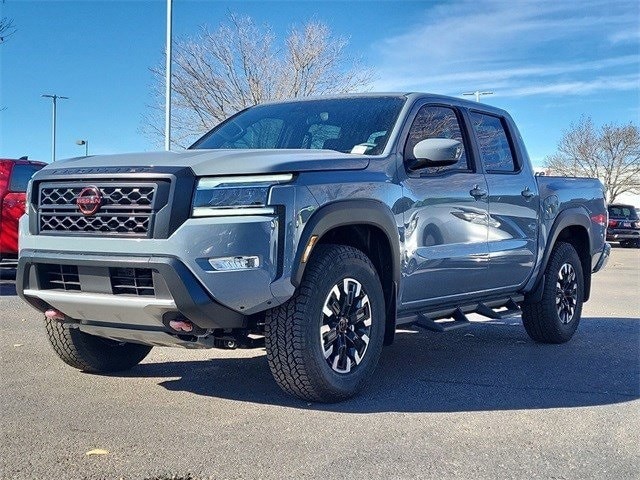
x,y
167,105
53,123
86,146
478,94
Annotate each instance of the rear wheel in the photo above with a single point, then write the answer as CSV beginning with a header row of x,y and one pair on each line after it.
x,y
555,318
325,342
90,353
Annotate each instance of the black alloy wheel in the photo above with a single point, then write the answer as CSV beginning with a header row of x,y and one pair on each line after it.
x,y
566,293
346,326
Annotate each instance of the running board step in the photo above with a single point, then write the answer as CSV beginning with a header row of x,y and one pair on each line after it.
x,y
513,310
459,320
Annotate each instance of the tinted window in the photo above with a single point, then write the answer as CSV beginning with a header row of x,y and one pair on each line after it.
x,y
495,151
350,125
623,211
436,122
262,134
20,176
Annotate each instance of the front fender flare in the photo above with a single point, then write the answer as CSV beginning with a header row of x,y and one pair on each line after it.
x,y
349,212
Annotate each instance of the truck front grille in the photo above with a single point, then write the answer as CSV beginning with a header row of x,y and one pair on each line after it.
x,y
125,209
126,224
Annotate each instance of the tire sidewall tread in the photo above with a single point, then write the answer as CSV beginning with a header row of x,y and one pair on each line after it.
x,y
292,330
540,319
90,353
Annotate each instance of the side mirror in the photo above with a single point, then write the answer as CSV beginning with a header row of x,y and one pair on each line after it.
x,y
436,152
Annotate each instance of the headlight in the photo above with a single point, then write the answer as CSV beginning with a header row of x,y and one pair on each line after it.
x,y
27,197
242,195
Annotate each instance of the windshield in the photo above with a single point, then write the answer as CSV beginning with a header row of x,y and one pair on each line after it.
x,y
351,125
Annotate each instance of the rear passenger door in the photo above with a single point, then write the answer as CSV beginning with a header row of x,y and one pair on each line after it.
x,y
513,201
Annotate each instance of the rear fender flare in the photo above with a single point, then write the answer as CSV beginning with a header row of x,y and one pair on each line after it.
x,y
567,218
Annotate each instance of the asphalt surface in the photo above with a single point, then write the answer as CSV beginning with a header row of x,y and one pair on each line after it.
x,y
485,402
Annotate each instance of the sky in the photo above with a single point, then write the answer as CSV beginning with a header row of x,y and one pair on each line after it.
x,y
548,63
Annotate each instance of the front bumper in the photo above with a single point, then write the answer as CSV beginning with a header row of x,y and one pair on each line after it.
x,y
195,242
176,292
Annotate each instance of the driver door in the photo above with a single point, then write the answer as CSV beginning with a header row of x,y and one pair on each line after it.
x,y
445,253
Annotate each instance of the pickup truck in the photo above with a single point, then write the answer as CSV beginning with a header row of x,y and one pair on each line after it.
x,y
313,228
14,178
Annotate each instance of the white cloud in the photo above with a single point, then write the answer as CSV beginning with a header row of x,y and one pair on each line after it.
x,y
619,83
514,48
626,36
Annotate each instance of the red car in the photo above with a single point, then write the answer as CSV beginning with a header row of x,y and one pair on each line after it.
x,y
14,177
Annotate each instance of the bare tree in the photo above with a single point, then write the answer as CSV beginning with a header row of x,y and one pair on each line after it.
x,y
610,153
6,29
218,73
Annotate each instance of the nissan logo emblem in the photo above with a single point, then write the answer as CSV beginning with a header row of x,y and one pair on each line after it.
x,y
89,200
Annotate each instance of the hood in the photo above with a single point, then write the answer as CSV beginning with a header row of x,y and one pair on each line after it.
x,y
226,162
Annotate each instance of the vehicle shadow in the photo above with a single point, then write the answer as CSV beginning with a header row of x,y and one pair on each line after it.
x,y
485,367
7,273
7,289
7,281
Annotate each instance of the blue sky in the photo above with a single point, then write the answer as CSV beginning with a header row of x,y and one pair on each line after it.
x,y
547,62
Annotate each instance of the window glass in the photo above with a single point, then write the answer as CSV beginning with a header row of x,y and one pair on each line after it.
x,y
322,136
625,212
436,122
495,151
350,125
262,134
20,176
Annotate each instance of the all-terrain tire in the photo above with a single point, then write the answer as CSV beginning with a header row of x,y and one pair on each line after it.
x,y
295,343
555,318
90,353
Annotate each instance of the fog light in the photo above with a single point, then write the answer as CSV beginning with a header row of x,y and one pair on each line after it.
x,y
235,263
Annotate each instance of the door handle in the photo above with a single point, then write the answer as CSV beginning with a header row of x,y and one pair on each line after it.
x,y
477,193
527,193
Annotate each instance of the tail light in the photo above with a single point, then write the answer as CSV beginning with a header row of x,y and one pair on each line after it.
x,y
613,223
600,219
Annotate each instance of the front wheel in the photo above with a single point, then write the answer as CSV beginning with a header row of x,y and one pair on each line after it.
x,y
90,353
324,343
555,318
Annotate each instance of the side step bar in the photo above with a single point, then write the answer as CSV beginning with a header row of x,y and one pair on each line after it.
x,y
513,310
428,323
458,318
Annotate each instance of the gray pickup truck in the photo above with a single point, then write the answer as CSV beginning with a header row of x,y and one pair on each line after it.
x,y
313,228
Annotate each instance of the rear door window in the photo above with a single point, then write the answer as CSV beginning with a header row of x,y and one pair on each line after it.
x,y
20,176
495,149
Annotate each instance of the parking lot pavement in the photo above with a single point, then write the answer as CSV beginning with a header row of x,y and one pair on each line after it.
x,y
485,402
